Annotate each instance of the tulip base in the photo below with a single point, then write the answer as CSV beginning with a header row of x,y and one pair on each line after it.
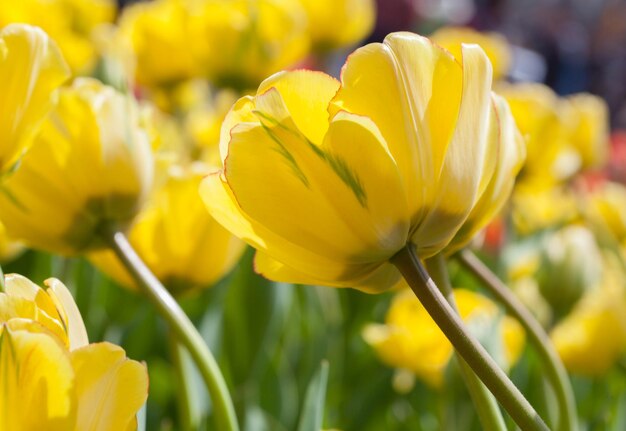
x,y
464,343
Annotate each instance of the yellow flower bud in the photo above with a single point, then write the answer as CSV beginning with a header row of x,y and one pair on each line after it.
x,y
411,340
494,44
31,68
52,378
571,264
90,168
176,237
69,22
339,23
329,180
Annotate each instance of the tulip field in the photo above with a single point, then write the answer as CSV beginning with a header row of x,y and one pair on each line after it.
x,y
307,215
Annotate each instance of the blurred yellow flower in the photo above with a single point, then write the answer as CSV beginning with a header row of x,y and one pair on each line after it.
x,y
563,135
176,237
31,68
69,22
540,207
593,337
336,24
52,378
587,117
329,199
606,207
91,167
240,42
494,44
411,340
9,248
158,34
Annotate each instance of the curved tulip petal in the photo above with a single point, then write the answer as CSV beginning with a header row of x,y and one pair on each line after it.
x,y
69,313
467,154
31,68
110,388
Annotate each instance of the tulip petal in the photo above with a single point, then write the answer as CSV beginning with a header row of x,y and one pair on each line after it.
x,y
37,379
31,67
111,388
68,311
469,160
411,89
306,95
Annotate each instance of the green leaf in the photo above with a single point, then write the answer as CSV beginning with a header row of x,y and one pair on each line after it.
x,y
313,408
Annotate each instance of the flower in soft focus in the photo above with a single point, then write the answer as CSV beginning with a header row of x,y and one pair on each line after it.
x,y
240,42
52,378
606,208
9,248
570,265
563,135
69,22
176,237
203,123
31,68
593,336
90,168
158,34
537,208
588,119
329,180
339,23
411,340
494,44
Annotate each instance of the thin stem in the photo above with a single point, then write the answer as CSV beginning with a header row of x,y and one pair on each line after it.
x,y
568,420
2,287
186,411
486,405
472,352
184,330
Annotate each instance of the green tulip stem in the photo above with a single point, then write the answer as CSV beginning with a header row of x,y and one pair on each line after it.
x,y
2,288
182,328
496,380
486,405
568,420
179,357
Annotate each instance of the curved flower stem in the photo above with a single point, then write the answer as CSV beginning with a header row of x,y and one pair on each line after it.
x,y
486,405
472,352
182,327
556,372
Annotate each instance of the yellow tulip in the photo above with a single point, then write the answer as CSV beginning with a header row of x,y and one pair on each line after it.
x,y
240,42
494,44
593,337
336,24
69,22
52,378
91,167
9,248
409,152
31,68
176,237
411,340
158,34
